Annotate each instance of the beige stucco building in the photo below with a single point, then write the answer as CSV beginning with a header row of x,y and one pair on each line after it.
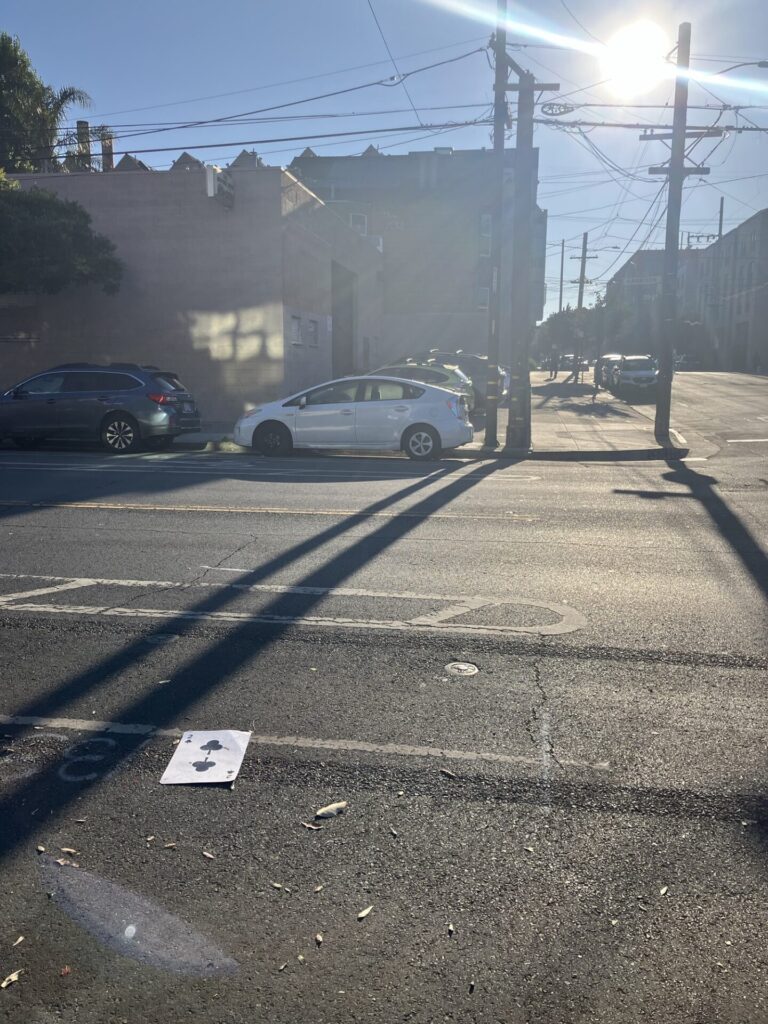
x,y
252,292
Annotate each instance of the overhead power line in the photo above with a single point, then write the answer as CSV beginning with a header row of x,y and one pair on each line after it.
x,y
394,62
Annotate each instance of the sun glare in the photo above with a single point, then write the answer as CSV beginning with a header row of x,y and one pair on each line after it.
x,y
634,59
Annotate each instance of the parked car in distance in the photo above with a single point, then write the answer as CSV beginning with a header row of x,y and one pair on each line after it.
x,y
440,376
600,364
123,405
638,372
376,413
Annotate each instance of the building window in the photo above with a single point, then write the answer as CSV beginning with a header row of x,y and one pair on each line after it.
x,y
311,332
486,222
359,223
483,297
295,334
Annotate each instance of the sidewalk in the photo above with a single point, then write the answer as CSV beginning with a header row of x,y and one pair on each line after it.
x,y
566,421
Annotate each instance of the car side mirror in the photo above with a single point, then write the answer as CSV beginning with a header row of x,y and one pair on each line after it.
x,y
303,402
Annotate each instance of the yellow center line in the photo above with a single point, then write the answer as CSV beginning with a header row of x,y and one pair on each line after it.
x,y
257,510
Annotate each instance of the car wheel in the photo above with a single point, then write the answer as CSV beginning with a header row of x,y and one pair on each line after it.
x,y
273,439
27,443
120,434
422,443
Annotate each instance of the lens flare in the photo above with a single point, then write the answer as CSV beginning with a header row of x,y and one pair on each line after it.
x,y
634,59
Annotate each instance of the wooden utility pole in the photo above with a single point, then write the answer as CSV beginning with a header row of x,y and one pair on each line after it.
x,y
676,172
494,297
583,269
524,198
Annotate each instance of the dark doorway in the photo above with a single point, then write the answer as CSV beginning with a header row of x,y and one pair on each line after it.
x,y
343,283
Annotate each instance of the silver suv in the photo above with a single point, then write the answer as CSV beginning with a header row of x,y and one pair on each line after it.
x,y
123,405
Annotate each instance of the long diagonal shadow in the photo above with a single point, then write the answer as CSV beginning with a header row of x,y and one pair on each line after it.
x,y
728,524
46,793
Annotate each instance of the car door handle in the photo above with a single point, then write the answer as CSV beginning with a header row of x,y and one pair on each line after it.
x,y
347,412
401,408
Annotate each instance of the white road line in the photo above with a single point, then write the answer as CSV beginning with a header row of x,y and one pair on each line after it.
x,y
301,742
570,619
334,513
678,436
747,440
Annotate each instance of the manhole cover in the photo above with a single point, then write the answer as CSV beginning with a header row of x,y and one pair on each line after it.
x,y
462,668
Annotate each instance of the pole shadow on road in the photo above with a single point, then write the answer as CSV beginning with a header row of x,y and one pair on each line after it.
x,y
224,655
701,488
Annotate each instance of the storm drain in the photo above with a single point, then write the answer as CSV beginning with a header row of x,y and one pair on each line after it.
x,y
461,668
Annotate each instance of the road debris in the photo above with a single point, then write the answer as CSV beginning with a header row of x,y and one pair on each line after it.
x,y
331,810
529,849
169,846
471,986
663,890
401,792
282,966
364,913
276,885
13,977
309,825
461,668
69,849
210,856
394,833
451,930
213,756
40,849
65,971
18,941
319,938
318,888
301,959
447,772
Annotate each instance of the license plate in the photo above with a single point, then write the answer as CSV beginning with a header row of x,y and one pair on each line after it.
x,y
187,407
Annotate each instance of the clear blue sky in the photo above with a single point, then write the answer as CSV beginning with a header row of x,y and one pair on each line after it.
x,y
155,61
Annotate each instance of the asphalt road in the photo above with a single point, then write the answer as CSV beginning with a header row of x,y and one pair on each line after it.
x,y
578,832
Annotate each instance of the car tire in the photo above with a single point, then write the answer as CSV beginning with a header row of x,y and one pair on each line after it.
x,y
422,443
27,444
273,440
120,434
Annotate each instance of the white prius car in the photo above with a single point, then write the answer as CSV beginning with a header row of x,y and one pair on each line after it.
x,y
373,413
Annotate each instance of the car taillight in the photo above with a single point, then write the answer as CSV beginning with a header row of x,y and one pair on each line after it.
x,y
453,405
161,399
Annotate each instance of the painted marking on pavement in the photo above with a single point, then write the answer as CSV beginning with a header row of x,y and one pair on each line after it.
x,y
747,440
300,742
109,506
678,435
435,622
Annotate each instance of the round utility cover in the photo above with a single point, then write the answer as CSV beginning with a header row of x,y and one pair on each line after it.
x,y
462,668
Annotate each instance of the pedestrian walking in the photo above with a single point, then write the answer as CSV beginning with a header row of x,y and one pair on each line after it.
x,y
554,365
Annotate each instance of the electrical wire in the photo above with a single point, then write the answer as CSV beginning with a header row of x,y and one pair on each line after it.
x,y
394,62
573,17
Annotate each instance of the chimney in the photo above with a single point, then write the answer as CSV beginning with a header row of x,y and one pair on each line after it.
x,y
107,157
83,146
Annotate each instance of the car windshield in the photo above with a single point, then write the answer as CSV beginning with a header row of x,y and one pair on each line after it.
x,y
639,364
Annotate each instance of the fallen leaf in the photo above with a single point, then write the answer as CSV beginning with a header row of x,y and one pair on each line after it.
x,y
63,861
451,930
18,941
401,792
283,966
210,856
69,849
169,846
614,920
393,831
663,890
318,888
364,913
300,958
11,978
276,885
332,810
150,839
315,828
447,772
319,938
313,669
65,971
41,849
528,849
